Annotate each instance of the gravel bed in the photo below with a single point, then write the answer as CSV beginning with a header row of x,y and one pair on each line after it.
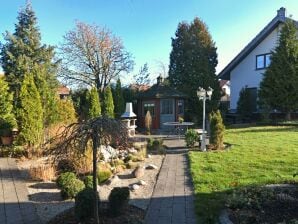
x,y
48,202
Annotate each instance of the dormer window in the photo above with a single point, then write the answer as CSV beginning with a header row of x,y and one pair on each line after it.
x,y
263,61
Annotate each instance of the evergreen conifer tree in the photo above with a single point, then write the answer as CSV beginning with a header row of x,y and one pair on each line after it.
x,y
217,129
23,53
279,86
7,118
94,109
108,104
118,99
192,64
244,104
29,113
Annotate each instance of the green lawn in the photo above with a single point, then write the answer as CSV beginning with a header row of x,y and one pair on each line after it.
x,y
259,155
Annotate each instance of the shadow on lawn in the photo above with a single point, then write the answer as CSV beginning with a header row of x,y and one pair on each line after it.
x,y
260,130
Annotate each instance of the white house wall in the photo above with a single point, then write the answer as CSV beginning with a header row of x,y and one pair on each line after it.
x,y
245,73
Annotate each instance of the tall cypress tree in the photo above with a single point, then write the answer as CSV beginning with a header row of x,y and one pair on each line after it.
x,y
192,64
23,53
279,87
118,99
94,109
30,113
7,118
108,104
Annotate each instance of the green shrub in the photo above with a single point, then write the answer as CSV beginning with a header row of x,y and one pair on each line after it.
x,y
217,129
155,144
70,185
64,178
103,175
191,137
72,188
84,202
65,165
118,200
12,151
88,181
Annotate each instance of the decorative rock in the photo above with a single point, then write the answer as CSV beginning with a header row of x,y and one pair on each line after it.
x,y
132,151
108,152
135,187
149,156
151,167
143,183
138,172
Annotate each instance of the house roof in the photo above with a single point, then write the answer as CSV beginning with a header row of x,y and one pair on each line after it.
x,y
161,90
63,90
279,18
223,82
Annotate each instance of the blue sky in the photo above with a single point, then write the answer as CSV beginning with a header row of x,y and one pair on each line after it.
x,y
146,26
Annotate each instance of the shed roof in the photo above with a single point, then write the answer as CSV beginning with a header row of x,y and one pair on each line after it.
x,y
279,18
160,90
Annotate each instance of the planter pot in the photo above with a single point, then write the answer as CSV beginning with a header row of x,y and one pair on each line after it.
x,y
6,140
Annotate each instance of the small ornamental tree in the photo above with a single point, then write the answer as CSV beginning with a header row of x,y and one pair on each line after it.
x,y
217,129
30,113
148,122
108,104
118,100
244,104
94,109
279,87
7,118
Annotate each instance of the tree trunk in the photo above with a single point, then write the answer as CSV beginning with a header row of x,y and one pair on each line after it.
x,y
288,116
94,176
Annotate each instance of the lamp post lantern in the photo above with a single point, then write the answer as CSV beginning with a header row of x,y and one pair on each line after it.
x,y
203,95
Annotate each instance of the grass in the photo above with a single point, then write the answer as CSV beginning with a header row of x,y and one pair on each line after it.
x,y
259,155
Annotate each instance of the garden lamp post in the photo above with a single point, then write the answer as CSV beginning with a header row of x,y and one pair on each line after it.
x,y
203,95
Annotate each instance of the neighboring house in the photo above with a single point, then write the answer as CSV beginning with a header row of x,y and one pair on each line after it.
x,y
63,92
164,103
225,90
248,67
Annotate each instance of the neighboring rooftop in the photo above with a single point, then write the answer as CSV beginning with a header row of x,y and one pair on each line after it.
x,y
279,18
63,90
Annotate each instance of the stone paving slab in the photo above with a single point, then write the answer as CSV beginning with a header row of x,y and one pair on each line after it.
x,y
15,207
172,200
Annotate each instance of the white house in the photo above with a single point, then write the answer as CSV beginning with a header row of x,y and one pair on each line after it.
x,y
247,68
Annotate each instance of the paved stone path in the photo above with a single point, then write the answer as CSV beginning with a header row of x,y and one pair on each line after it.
x,y
172,200
15,207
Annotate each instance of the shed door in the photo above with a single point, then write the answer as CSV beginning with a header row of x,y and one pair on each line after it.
x,y
167,112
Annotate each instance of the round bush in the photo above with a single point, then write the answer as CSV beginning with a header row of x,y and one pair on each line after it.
x,y
72,188
84,202
70,185
64,178
191,137
118,200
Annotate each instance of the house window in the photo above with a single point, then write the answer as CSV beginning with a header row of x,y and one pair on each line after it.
x,y
167,107
263,61
180,107
149,107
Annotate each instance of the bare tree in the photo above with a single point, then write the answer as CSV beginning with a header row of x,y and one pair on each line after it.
x,y
93,56
76,137
142,77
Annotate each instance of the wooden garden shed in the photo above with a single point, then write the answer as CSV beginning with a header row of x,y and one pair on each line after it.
x,y
165,104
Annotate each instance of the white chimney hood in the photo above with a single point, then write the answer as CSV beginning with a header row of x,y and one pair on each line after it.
x,y
128,111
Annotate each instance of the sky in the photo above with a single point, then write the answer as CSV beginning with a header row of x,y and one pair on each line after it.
x,y
147,26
